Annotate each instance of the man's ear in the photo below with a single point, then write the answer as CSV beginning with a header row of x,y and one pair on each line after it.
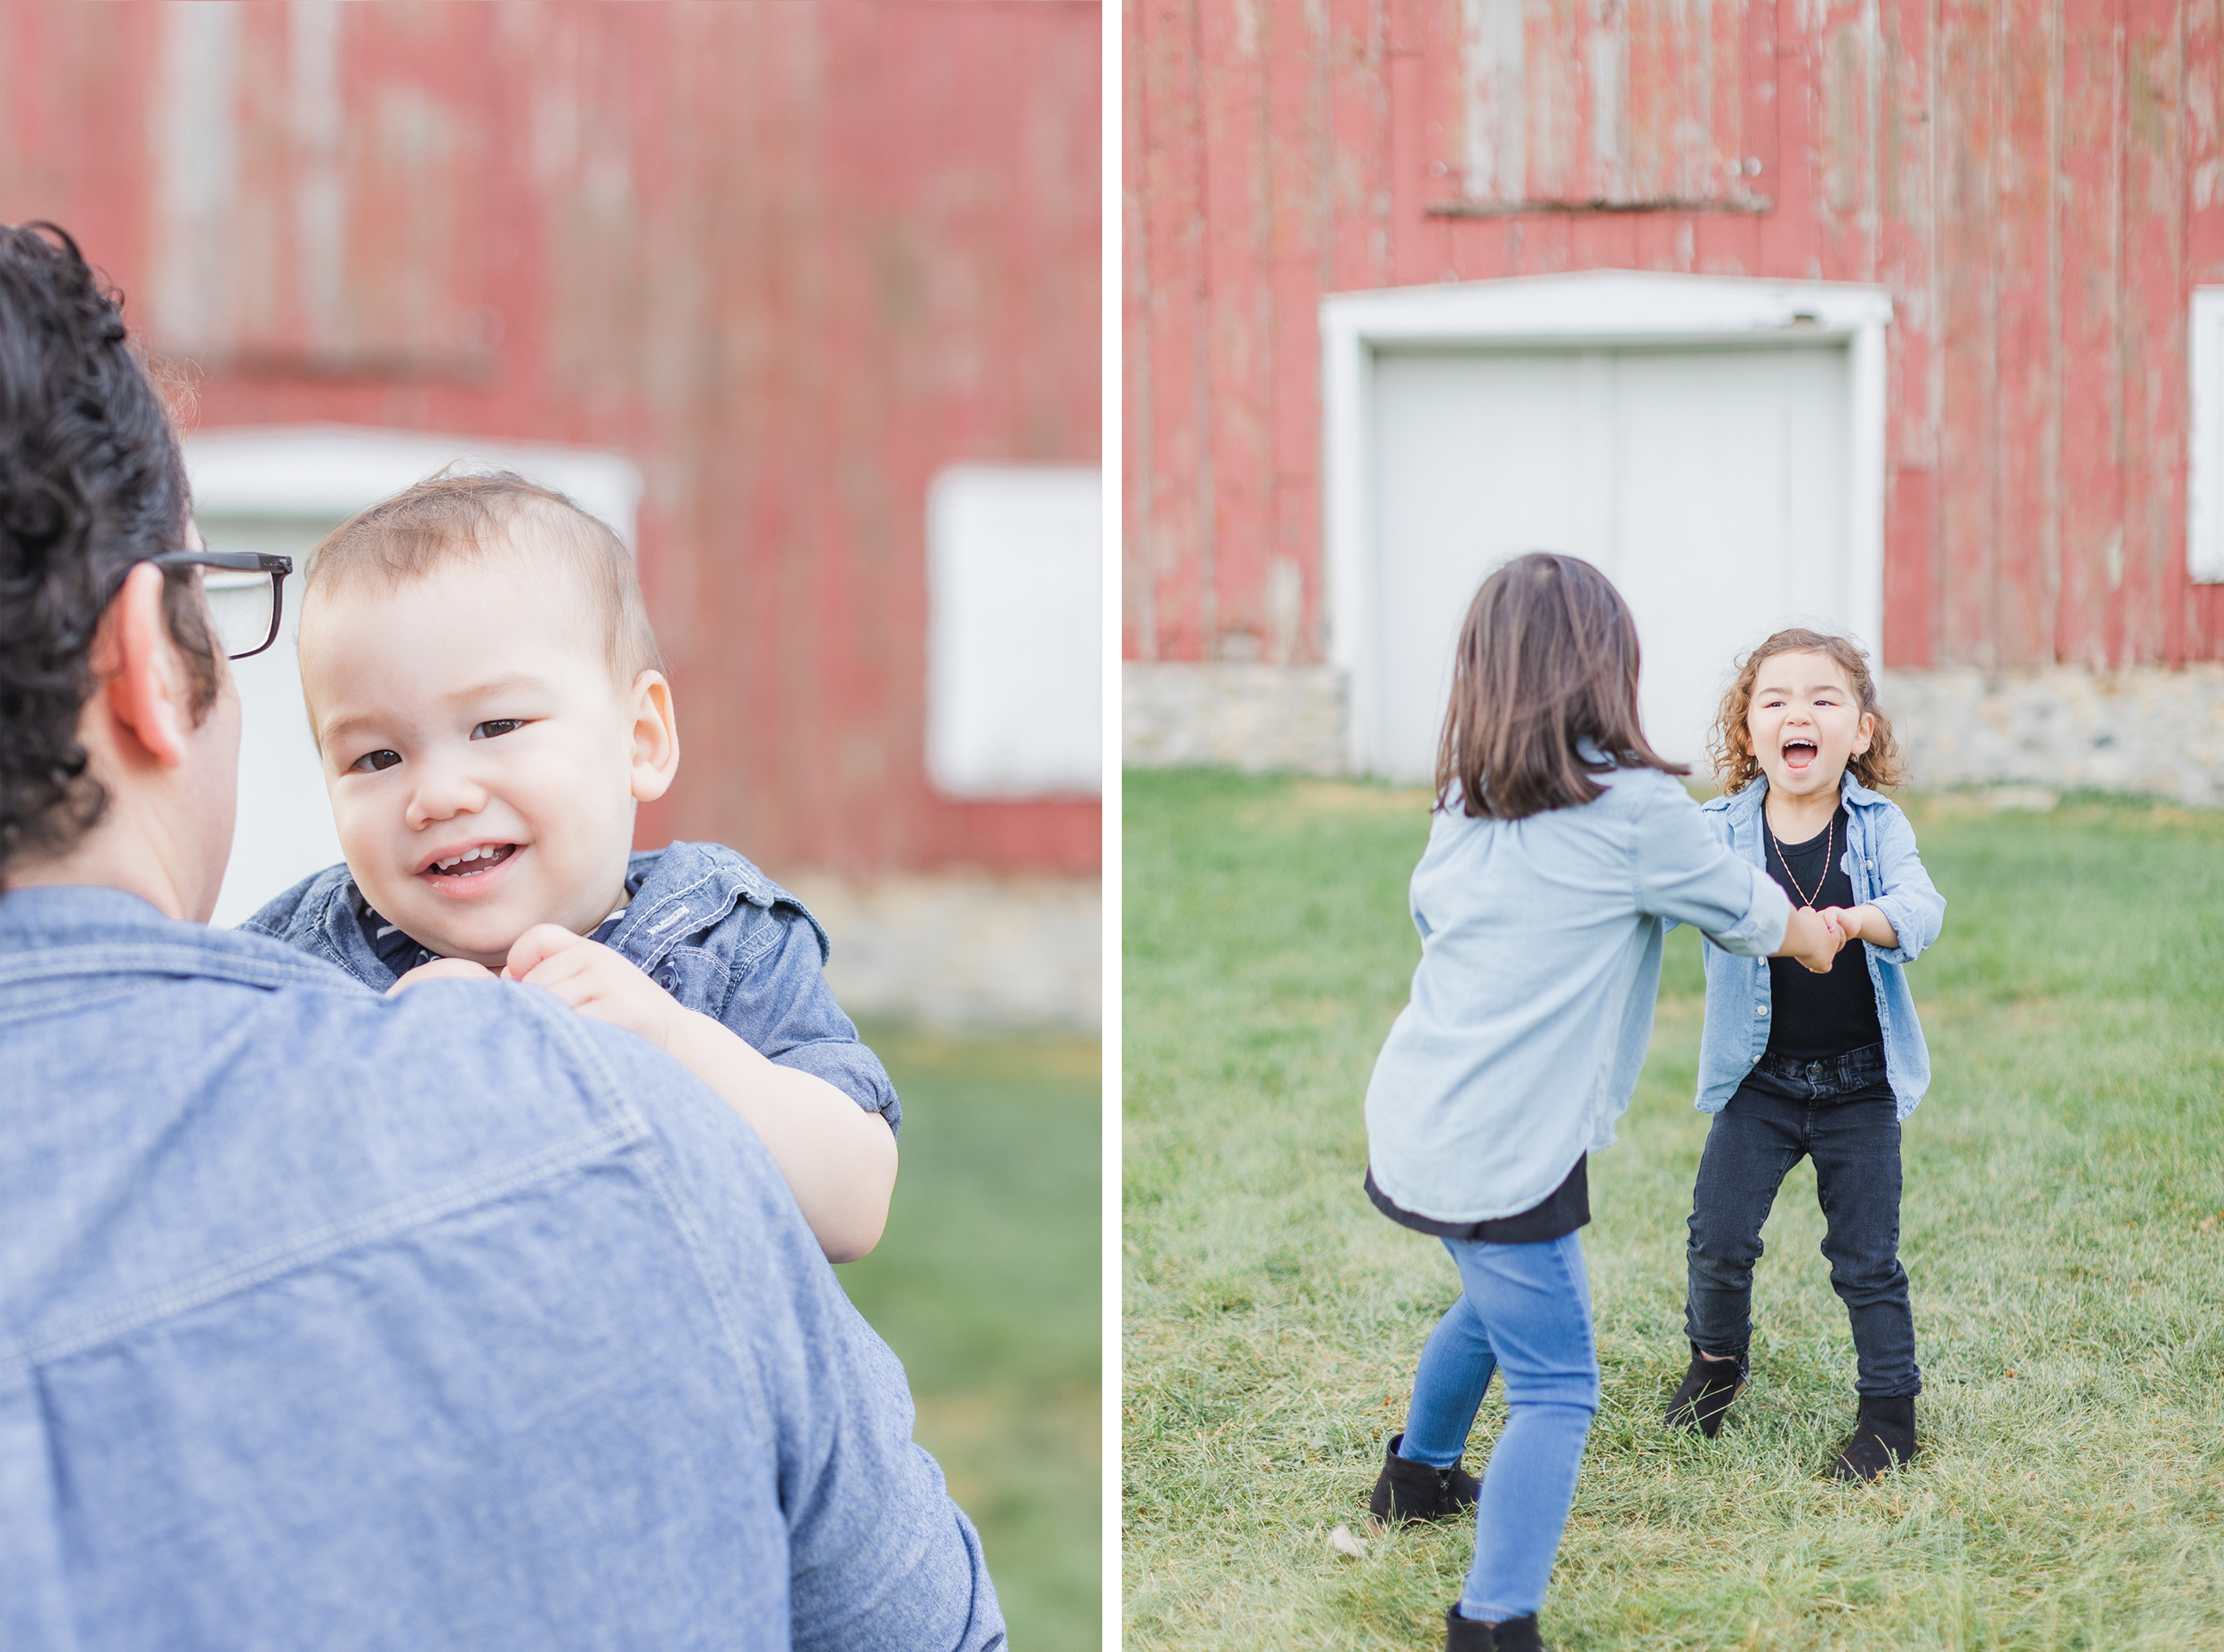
x,y
148,689
655,736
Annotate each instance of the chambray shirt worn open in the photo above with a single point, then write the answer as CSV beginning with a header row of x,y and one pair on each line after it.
x,y
704,924
1533,1003
1887,872
451,1321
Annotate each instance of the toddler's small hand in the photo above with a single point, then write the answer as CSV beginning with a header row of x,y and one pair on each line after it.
x,y
442,970
1814,941
593,979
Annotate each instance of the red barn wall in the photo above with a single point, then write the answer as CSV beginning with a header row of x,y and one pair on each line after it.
x,y
2037,186
790,259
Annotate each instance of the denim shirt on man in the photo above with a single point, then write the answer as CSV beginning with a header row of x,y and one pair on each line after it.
x,y
455,1320
1533,1003
1888,873
704,924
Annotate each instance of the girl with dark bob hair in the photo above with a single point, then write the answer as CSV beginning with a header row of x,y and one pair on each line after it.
x,y
1562,847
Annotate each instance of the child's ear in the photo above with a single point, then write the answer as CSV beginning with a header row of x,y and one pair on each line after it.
x,y
1865,733
655,736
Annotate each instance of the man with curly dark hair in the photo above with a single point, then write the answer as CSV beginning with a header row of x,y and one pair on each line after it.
x,y
91,484
330,1319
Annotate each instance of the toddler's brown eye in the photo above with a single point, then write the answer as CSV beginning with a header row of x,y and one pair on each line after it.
x,y
495,726
372,761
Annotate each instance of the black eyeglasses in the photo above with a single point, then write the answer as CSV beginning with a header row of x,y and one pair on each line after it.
x,y
245,592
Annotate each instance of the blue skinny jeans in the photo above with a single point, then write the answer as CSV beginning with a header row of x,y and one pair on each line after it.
x,y
1524,1309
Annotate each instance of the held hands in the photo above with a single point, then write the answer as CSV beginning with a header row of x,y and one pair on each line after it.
x,y
1813,938
585,974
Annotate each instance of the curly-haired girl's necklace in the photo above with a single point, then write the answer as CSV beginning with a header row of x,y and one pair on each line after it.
x,y
1829,843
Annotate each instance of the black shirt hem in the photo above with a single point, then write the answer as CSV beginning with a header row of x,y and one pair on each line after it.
x,y
1565,1209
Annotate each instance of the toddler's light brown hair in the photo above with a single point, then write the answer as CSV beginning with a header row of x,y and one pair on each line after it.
x,y
456,515
1731,748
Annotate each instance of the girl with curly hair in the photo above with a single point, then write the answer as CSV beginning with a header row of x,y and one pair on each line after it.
x,y
1796,1065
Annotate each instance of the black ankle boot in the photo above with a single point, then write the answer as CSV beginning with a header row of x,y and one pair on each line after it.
x,y
1883,1438
1469,1634
1708,1388
1414,1491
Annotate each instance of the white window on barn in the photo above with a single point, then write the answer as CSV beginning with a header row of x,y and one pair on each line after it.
x,y
1015,581
2204,469
280,490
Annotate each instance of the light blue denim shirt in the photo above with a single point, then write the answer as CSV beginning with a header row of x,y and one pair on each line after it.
x,y
1533,1003
451,1321
1887,873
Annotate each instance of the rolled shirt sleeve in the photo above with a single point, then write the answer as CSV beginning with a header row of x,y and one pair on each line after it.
x,y
782,1005
1687,874
1905,895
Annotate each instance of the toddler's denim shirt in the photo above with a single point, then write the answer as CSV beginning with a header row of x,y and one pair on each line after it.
x,y
704,924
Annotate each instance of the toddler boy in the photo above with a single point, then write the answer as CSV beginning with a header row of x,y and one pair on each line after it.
x,y
489,704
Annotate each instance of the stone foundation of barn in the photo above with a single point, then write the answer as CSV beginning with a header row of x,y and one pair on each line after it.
x,y
964,951
2146,729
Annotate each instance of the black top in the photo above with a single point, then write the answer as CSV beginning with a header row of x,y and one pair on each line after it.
x,y
1813,1018
1565,1209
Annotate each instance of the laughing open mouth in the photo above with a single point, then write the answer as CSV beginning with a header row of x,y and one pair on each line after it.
x,y
472,861
1800,753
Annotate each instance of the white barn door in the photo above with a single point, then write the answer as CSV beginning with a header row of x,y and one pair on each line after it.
x,y
1710,484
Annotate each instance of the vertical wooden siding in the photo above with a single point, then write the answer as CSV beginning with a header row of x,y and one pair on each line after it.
x,y
2039,184
792,259
1641,103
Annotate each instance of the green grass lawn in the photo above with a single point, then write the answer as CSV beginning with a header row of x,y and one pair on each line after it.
x,y
986,1284
2063,1226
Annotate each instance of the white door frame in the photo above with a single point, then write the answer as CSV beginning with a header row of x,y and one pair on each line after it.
x,y
333,470
1594,309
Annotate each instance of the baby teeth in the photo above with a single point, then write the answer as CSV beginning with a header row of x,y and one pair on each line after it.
x,y
469,854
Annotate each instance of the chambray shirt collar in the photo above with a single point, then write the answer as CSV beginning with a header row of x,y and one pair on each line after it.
x,y
1743,805
679,891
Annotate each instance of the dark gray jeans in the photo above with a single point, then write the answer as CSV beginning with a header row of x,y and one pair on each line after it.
x,y
1841,1115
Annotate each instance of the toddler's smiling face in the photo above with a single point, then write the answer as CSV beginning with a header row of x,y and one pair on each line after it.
x,y
1805,723
483,764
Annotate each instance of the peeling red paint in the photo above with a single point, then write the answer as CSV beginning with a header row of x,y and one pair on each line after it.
x,y
2040,186
792,259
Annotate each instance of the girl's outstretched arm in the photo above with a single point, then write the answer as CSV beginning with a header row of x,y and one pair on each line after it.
x,y
1687,873
1866,923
